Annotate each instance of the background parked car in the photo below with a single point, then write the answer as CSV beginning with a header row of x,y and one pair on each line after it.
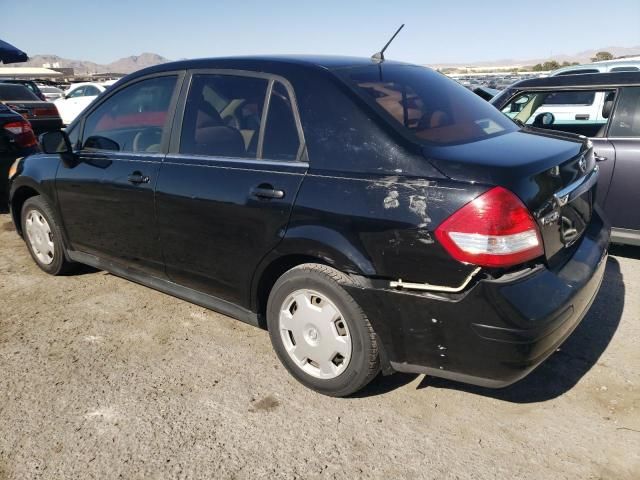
x,y
77,98
51,93
30,85
16,140
609,66
42,115
604,107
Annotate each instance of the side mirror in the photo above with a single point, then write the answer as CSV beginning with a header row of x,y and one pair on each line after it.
x,y
544,120
55,142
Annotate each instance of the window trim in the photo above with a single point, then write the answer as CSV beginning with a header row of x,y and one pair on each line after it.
x,y
174,144
107,94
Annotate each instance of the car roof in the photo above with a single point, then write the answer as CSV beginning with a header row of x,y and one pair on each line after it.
x,y
259,62
83,84
582,80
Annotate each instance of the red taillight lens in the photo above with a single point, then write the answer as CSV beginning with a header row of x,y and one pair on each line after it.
x,y
494,230
22,133
51,111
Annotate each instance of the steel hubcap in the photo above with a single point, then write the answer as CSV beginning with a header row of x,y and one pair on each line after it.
x,y
314,334
39,236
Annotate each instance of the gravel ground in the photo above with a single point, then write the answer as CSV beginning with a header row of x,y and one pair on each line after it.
x,y
103,378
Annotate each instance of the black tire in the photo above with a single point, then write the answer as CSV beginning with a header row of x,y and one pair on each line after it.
x,y
59,264
327,281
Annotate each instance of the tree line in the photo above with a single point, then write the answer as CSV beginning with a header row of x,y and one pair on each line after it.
x,y
553,65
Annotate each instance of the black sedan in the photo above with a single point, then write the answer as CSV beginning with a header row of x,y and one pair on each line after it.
x,y
17,139
604,107
42,115
372,215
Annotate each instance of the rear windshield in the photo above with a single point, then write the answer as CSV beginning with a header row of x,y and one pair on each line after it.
x,y
9,91
426,105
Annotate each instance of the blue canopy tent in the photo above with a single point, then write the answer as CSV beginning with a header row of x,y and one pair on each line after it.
x,y
11,54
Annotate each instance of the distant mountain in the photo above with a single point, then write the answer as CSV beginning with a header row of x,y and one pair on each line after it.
x,y
83,67
580,57
133,63
137,62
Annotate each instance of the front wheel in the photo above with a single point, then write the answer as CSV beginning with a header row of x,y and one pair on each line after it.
x,y
319,332
42,236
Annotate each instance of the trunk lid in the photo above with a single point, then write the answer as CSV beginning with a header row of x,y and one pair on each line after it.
x,y
32,110
553,173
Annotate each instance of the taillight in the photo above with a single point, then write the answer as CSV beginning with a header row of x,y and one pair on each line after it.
x,y
22,132
494,230
50,111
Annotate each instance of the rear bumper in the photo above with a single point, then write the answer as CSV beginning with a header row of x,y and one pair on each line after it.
x,y
42,125
497,331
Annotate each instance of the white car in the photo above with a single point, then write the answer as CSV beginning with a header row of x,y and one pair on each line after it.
x,y
51,93
77,98
579,107
607,66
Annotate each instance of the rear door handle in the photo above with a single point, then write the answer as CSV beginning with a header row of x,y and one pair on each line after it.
x,y
582,116
598,158
266,191
137,178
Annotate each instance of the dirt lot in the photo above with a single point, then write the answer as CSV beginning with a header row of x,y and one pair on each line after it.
x,y
102,378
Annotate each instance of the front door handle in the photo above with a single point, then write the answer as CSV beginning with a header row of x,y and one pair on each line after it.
x,y
266,191
137,178
598,158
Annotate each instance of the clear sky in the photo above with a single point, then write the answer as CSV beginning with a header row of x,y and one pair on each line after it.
x,y
445,31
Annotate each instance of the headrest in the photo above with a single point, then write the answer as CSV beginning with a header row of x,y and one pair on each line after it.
x,y
608,105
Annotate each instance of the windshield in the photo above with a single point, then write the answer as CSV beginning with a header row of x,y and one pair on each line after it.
x,y
9,91
426,105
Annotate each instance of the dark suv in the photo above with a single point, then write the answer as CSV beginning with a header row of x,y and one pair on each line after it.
x,y
372,215
604,107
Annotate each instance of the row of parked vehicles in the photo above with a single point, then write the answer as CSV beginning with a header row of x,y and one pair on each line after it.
x,y
372,215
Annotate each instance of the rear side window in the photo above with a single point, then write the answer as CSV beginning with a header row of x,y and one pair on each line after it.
x,y
426,105
578,72
281,140
626,118
223,116
91,91
13,92
569,98
134,119
625,69
78,92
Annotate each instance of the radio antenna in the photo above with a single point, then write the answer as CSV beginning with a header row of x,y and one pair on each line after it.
x,y
379,57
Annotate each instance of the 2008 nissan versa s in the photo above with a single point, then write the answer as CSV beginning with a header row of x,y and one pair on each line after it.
x,y
372,215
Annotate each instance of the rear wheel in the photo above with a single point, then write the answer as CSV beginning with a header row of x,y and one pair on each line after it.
x,y
319,332
42,236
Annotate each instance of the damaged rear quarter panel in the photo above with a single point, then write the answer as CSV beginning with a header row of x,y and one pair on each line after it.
x,y
387,220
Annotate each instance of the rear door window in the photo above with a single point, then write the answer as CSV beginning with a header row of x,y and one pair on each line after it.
x,y
281,139
223,116
134,119
626,118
